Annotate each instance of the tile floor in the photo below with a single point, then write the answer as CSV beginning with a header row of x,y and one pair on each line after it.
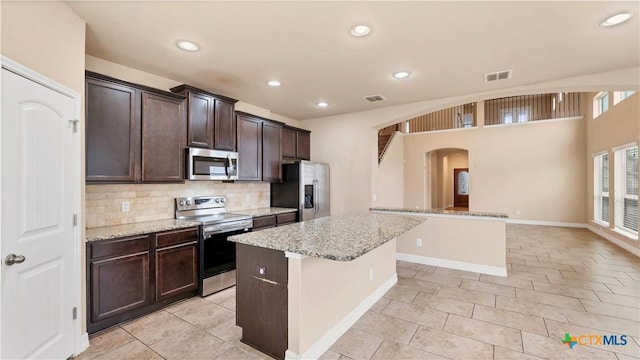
x,y
560,280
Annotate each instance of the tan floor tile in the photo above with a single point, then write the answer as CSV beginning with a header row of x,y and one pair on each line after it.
x,y
624,290
590,277
566,291
506,354
401,293
507,281
521,275
254,354
601,272
390,350
185,304
618,299
441,279
614,267
105,342
155,327
604,322
630,283
531,308
191,344
343,357
550,265
624,357
535,270
357,344
522,257
388,327
477,297
329,355
558,329
531,323
515,260
132,350
415,266
444,304
450,345
553,348
424,286
206,315
634,276
488,288
578,284
229,304
484,331
549,299
227,331
404,272
380,305
623,312
222,296
236,354
457,273
416,314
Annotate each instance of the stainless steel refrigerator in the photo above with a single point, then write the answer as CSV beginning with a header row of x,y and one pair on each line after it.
x,y
305,186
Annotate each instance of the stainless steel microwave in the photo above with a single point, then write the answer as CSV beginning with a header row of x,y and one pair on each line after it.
x,y
206,164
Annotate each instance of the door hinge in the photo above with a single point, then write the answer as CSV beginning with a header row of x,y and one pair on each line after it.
x,y
75,312
74,124
75,219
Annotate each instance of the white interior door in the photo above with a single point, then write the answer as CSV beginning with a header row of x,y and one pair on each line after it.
x,y
37,220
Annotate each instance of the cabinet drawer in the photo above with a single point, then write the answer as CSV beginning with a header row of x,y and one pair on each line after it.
x,y
264,221
175,237
122,246
286,218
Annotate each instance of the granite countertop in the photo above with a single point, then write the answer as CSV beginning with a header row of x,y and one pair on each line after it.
x,y
116,231
442,212
342,237
265,211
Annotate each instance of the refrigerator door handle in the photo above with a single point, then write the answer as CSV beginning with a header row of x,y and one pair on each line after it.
x,y
316,193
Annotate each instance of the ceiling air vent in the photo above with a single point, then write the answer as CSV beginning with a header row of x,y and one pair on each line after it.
x,y
374,98
500,75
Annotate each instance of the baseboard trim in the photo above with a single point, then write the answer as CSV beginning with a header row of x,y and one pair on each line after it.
x,y
324,343
82,343
451,264
630,248
547,223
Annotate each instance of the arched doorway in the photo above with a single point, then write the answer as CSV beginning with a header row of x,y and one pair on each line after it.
x,y
447,179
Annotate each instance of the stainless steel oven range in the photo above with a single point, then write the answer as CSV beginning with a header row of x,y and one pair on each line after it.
x,y
217,255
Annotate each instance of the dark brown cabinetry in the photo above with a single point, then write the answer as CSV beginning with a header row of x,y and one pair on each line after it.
x,y
269,221
262,298
259,148
211,119
296,143
133,133
131,276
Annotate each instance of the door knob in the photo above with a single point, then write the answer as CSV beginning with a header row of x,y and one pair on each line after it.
x,y
14,259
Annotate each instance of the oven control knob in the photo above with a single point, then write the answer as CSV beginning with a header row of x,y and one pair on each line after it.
x,y
188,202
221,200
181,203
217,200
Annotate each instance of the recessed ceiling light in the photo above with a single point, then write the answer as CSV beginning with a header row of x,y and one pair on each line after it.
x,y
360,30
322,104
187,45
274,83
616,19
401,75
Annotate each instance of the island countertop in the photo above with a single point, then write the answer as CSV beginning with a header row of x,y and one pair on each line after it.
x,y
439,212
340,237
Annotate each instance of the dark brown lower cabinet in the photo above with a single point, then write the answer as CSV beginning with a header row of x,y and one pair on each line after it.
x,y
262,298
132,276
269,221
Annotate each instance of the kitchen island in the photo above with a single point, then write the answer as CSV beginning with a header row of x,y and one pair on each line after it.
x,y
301,286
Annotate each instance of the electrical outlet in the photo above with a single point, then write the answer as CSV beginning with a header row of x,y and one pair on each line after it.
x,y
517,212
125,206
374,197
247,197
418,242
370,274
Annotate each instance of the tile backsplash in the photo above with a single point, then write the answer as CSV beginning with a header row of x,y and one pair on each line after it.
x,y
148,202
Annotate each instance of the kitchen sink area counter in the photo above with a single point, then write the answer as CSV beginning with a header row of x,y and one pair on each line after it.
x,y
267,211
341,238
147,227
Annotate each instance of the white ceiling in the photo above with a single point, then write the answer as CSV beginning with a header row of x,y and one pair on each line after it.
x,y
447,46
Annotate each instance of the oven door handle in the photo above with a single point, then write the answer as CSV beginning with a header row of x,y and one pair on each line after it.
x,y
227,166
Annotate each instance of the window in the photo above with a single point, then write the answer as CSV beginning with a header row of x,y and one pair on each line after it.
x,y
517,115
600,103
626,190
601,189
621,95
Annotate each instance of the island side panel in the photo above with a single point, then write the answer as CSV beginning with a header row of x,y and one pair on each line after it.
x,y
326,297
463,242
262,297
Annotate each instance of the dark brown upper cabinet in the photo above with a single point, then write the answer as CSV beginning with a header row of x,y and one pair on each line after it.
x,y
211,121
259,148
296,143
134,133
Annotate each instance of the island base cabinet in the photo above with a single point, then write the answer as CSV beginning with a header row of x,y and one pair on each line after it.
x,y
262,299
